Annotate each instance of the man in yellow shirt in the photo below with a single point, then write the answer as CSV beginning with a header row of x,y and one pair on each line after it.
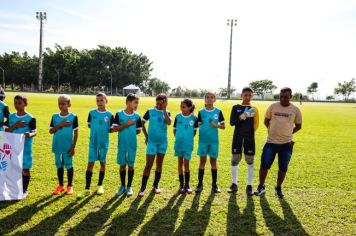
x,y
282,119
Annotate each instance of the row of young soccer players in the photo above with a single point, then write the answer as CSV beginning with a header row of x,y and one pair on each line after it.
x,y
128,123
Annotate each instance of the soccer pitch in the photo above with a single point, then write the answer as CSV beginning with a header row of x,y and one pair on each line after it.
x,y
320,186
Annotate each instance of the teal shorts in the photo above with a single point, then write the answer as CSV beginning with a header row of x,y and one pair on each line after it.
x,y
211,150
153,149
185,154
97,154
27,162
63,160
126,157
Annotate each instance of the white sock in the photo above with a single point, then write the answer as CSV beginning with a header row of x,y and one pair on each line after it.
x,y
249,174
234,174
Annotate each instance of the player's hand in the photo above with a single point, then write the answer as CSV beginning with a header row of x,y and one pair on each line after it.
x,y
130,122
64,124
71,151
213,124
27,134
243,116
164,105
19,124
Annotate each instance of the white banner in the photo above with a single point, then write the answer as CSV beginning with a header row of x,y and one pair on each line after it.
x,y
11,156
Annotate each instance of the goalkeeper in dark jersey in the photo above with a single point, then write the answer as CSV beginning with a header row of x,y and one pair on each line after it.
x,y
244,117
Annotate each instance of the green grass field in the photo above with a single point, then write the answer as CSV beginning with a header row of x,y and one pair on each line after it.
x,y
320,187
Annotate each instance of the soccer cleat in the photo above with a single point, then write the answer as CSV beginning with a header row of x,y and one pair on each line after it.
x,y
121,191
199,188
233,188
100,190
157,190
129,192
261,189
249,191
142,193
216,189
69,190
83,194
278,191
188,190
58,190
181,190
25,194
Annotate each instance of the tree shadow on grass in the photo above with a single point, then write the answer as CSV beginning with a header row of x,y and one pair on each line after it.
x,y
241,224
94,221
276,224
51,224
195,222
165,218
126,223
5,204
24,214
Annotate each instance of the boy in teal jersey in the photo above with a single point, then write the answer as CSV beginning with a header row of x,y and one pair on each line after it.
x,y
184,128
210,120
4,109
64,127
128,123
156,140
22,122
100,122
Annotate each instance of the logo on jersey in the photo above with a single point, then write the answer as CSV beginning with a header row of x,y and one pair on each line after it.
x,y
191,123
216,116
106,118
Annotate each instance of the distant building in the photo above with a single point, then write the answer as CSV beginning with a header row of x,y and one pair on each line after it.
x,y
130,89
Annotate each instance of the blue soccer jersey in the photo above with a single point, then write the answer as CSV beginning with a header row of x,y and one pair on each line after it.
x,y
185,126
63,138
30,126
157,127
207,133
127,136
100,124
4,113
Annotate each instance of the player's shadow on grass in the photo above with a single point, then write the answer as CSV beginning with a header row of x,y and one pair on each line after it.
x,y
163,222
241,224
51,224
126,223
288,226
24,214
195,222
5,204
94,221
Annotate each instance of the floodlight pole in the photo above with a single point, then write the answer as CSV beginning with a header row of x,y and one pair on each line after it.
x,y
232,23
41,16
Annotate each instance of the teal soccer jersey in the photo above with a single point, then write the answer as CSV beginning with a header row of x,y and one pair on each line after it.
x,y
157,128
63,138
30,126
4,113
100,124
207,133
127,136
185,127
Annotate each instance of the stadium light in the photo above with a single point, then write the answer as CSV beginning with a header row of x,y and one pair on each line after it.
x,y
3,77
108,67
41,16
232,23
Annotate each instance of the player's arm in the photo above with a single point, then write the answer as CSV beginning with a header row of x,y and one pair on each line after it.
x,y
111,130
11,128
298,122
6,113
221,124
145,118
175,126
33,129
196,126
256,119
89,120
138,125
268,116
199,120
75,136
167,117
54,128
234,116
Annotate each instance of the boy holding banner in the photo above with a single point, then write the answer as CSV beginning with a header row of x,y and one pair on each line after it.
x,y
22,122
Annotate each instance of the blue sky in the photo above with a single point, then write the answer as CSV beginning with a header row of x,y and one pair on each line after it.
x,y
292,43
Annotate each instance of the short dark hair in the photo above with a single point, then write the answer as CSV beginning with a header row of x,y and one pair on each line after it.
x,y
131,97
161,97
189,104
247,89
286,89
2,94
21,97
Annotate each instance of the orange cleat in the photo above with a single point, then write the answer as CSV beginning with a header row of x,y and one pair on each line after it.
x,y
70,190
58,190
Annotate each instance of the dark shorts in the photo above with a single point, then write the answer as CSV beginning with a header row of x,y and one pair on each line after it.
x,y
284,152
247,143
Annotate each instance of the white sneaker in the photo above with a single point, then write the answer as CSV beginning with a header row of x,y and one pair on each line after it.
x,y
141,194
157,190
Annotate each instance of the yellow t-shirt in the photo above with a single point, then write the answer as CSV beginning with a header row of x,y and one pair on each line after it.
x,y
282,120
